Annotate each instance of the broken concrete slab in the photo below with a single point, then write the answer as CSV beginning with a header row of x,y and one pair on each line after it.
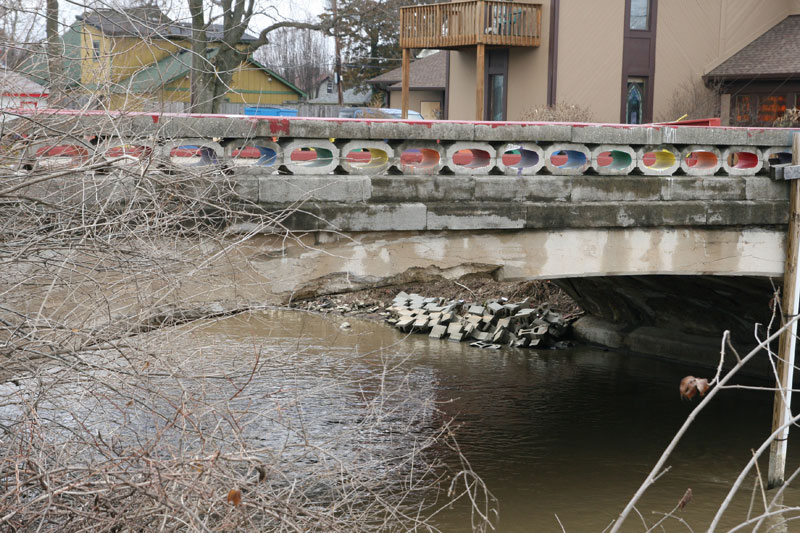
x,y
437,332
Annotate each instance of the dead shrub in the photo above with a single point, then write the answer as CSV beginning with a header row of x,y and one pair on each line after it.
x,y
559,113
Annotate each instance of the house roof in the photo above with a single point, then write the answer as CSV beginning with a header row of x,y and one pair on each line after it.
x,y
776,53
428,72
35,65
175,67
13,83
148,22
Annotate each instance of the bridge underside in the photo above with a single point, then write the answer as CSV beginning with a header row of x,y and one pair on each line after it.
x,y
675,317
662,291
335,262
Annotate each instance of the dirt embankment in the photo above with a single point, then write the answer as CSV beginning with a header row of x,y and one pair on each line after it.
x,y
471,288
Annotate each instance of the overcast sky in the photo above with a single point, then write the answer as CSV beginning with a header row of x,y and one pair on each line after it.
x,y
273,9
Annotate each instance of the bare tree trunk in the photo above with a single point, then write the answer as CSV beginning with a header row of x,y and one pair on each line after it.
x,y
202,75
54,51
338,44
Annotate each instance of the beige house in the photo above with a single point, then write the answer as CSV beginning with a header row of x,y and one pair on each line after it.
x,y
427,81
628,61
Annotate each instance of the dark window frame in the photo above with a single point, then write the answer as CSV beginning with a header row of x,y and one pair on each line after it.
x,y
497,60
629,10
632,42
791,92
644,84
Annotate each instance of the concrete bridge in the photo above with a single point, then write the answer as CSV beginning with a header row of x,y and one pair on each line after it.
x,y
654,229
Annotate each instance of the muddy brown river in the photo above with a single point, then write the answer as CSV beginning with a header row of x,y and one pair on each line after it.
x,y
561,438
562,435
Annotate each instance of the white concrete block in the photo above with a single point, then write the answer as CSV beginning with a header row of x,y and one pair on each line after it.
x,y
577,161
623,159
269,160
431,158
666,160
482,161
381,156
531,159
705,159
747,160
211,152
325,160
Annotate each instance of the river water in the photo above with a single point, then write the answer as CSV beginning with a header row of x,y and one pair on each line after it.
x,y
568,434
557,436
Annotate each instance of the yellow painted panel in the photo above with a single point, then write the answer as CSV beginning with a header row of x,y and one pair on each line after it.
x,y
258,87
126,102
95,70
130,54
250,85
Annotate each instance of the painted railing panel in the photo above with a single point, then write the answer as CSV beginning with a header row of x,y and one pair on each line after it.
x,y
270,145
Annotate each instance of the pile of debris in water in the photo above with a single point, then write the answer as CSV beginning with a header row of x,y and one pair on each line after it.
x,y
492,325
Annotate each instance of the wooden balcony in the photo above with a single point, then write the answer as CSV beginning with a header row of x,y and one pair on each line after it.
x,y
470,23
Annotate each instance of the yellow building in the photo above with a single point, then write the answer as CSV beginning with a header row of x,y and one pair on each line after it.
x,y
138,59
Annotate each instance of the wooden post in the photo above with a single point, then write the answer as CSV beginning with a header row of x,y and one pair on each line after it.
x,y
480,67
405,82
337,69
781,412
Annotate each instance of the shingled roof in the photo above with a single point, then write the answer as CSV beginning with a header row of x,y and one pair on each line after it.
x,y
775,54
148,22
69,46
174,67
428,72
12,83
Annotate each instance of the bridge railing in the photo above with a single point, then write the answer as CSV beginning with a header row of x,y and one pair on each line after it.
x,y
271,145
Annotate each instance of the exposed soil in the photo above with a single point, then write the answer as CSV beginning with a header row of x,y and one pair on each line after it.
x,y
470,288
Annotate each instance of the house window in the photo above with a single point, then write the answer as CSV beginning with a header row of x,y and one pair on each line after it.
x,y
640,15
743,108
496,83
771,108
96,49
634,101
330,86
497,86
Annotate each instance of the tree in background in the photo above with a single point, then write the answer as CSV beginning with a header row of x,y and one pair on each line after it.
x,y
18,26
300,56
212,75
369,31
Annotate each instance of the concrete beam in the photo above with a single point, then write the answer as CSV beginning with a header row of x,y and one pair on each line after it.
x,y
533,254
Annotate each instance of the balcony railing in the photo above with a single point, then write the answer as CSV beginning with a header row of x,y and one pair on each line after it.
x,y
460,24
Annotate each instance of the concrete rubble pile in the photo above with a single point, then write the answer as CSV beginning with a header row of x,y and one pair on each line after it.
x,y
492,325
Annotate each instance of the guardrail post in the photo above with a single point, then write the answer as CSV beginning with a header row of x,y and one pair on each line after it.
x,y
781,414
405,83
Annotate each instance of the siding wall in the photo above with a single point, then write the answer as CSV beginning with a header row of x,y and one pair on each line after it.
x,y
121,57
254,86
692,37
590,55
415,99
